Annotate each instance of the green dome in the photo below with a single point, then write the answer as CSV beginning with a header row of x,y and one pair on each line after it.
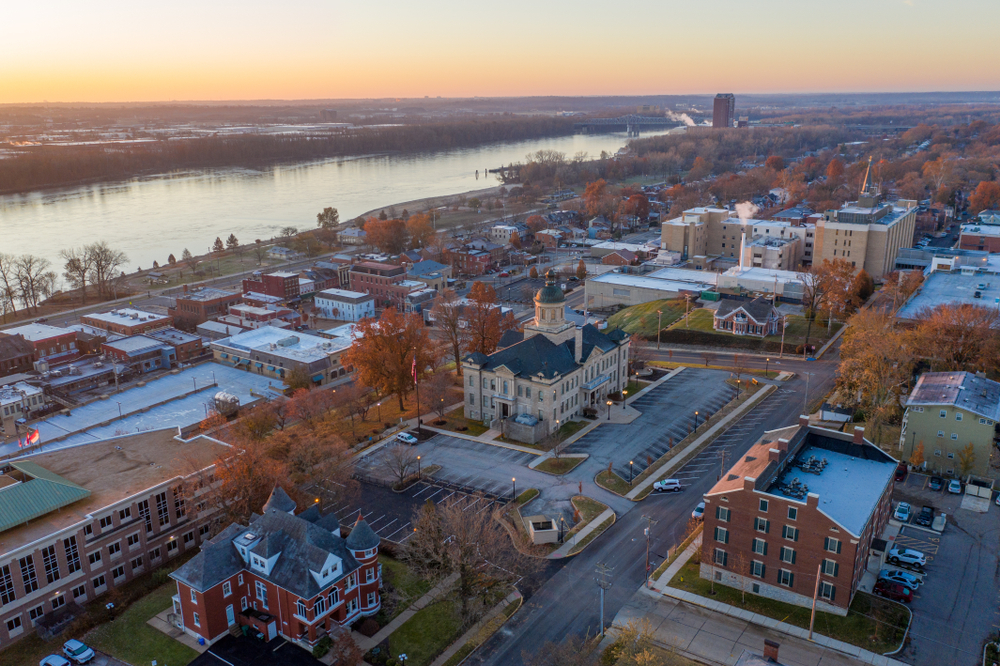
x,y
550,293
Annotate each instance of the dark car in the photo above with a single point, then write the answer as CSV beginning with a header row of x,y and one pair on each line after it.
x,y
936,483
925,517
901,473
894,591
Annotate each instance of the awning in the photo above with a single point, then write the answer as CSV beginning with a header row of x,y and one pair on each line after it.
x,y
224,355
244,361
258,365
317,378
271,368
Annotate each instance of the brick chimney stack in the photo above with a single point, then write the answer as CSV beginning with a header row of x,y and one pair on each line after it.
x,y
859,435
771,650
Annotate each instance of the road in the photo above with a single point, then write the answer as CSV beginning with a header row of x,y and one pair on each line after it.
x,y
567,601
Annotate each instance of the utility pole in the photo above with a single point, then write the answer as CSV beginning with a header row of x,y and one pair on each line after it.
x,y
649,524
722,463
784,325
805,396
812,615
659,327
687,308
604,583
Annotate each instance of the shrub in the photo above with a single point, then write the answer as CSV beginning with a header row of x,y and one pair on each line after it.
x,y
368,627
322,647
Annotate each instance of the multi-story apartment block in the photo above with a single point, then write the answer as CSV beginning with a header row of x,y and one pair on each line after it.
x,y
382,281
282,285
283,574
803,499
705,232
945,414
200,305
723,110
77,522
345,305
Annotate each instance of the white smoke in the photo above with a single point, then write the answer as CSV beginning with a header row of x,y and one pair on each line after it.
x,y
680,117
746,211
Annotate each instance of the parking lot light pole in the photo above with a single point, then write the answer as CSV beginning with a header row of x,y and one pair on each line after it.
x,y
767,364
624,398
418,467
696,420
629,472
379,405
609,410
513,488
659,328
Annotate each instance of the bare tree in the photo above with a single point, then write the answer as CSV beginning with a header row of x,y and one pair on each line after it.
x,y
398,460
77,269
34,279
105,261
708,357
447,311
434,392
741,567
8,284
574,651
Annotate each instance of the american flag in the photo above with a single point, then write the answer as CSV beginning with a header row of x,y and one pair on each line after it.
x,y
413,370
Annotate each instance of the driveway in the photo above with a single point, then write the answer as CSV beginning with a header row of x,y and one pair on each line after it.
x,y
243,651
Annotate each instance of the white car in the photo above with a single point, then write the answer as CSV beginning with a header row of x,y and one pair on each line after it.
x,y
955,487
699,511
77,651
54,660
667,486
907,556
902,512
406,438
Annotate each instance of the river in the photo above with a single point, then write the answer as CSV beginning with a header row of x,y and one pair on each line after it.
x,y
151,217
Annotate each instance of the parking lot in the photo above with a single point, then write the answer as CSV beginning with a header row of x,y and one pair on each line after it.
x,y
958,605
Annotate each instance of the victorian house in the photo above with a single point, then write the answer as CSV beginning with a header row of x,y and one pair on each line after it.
x,y
759,317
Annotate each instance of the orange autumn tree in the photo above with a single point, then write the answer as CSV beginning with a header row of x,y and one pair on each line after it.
x,y
486,324
387,235
420,230
987,195
384,350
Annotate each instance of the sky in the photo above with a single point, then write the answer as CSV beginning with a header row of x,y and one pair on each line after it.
x,y
118,51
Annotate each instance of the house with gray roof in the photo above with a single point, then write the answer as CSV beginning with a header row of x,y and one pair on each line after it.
x,y
758,317
547,374
281,574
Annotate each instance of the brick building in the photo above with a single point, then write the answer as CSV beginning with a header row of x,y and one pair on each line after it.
x,y
77,522
200,305
619,258
50,343
274,352
127,321
723,110
186,345
282,574
280,284
982,237
758,317
141,353
16,354
381,281
467,261
802,498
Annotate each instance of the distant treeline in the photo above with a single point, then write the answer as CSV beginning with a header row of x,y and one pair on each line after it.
x,y
40,167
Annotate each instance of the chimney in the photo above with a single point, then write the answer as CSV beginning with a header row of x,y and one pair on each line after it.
x,y
773,455
579,344
859,435
782,444
803,419
771,650
185,289
743,243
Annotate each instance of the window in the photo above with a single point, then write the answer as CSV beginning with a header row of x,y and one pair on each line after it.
x,y
262,593
831,545
937,452
761,525
106,522
162,511
194,596
197,620
958,416
943,413
757,569
136,563
370,575
88,530
79,591
472,398
154,554
243,603
830,568
319,607
760,547
335,596
172,547
133,540
786,577
787,555
118,572
793,513
51,564
188,538
35,613
789,532
59,602
204,529
239,580
371,599
115,549
7,594
13,625
827,591
125,514
940,433
954,435
951,456
98,583
72,554
722,535
722,513
144,514
352,580
179,507
227,589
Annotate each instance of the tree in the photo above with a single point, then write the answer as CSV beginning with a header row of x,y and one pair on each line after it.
x,y
232,242
245,477
533,272
958,336
835,170
328,218
701,168
171,260
189,259
486,322
536,223
34,279
77,269
384,351
741,567
288,232
775,162
447,312
574,651
836,287
351,400
596,199
917,456
434,392
398,461
986,196
863,287
259,251
105,263
966,460
298,377
581,270
473,544
634,645
387,235
309,405
344,650
8,284
419,229
218,246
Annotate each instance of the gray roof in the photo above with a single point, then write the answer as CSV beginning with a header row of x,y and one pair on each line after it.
x,y
537,355
303,546
550,293
963,390
425,267
14,346
362,537
759,309
280,501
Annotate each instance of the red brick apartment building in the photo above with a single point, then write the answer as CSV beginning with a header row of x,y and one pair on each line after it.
x,y
283,574
280,284
200,305
382,281
16,354
982,237
50,343
801,498
78,522
127,321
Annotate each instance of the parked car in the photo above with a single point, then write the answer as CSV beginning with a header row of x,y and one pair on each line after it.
x,y
925,517
893,591
505,274
406,438
699,511
936,483
77,651
667,486
54,660
900,576
955,487
41,320
900,473
902,513
907,556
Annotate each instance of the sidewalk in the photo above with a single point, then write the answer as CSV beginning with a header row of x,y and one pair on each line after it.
x,y
563,550
442,588
471,633
693,446
409,423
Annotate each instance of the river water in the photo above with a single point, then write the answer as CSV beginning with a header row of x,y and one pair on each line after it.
x,y
151,217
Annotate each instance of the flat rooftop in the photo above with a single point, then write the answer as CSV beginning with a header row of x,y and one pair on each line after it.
x,y
981,230
124,316
650,282
112,470
344,295
36,332
771,241
300,347
959,389
766,274
942,287
206,294
173,336
135,344
14,393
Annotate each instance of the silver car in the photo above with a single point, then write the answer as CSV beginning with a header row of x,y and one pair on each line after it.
x,y
77,651
899,576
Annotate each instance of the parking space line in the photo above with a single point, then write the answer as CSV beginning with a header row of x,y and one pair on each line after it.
x,y
397,531
372,522
422,490
445,497
484,508
471,504
386,526
440,490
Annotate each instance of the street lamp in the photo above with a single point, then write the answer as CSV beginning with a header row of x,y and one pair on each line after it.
x,y
513,488
767,363
624,398
418,467
609,410
629,472
696,419
119,409
379,405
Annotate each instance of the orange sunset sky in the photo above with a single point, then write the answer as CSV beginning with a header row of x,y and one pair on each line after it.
x,y
111,50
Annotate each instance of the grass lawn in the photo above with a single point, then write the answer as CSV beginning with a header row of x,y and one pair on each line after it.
x,y
428,633
588,508
598,531
558,465
484,632
410,586
570,428
855,628
758,372
795,334
613,482
641,319
130,639
456,422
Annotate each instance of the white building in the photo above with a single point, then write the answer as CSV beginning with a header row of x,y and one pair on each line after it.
x,y
274,352
18,401
345,305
